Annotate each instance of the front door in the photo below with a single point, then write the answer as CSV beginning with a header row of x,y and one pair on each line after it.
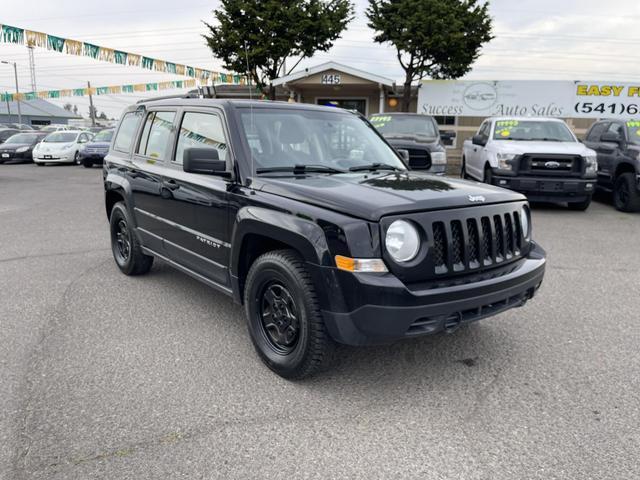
x,y
197,204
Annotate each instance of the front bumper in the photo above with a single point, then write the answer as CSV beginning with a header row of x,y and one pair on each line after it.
x,y
56,157
385,310
548,189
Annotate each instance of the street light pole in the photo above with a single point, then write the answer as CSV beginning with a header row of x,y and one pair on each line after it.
x,y
15,73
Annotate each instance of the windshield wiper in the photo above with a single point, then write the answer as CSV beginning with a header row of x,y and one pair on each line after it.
x,y
300,169
373,167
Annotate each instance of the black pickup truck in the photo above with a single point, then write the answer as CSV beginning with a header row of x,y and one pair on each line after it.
x,y
310,219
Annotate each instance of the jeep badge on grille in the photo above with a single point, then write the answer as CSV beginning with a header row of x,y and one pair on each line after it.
x,y
477,198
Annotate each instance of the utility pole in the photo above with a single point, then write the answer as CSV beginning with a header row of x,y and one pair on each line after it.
x,y
6,97
92,111
15,72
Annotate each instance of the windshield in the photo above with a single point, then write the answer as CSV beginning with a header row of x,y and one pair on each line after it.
x,y
280,137
61,137
103,136
405,125
633,131
532,130
22,138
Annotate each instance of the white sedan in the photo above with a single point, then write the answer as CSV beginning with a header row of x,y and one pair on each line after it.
x,y
61,147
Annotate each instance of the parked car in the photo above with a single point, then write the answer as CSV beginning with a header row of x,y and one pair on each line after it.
x,y
55,128
617,144
94,151
5,133
308,218
60,147
539,157
19,147
417,134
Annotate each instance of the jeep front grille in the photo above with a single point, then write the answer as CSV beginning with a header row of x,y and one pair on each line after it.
x,y
459,246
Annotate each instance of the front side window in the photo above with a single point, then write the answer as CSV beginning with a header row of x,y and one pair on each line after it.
x,y
595,132
280,137
201,130
532,130
126,132
156,134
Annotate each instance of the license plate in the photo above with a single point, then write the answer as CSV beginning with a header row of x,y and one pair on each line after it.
x,y
5,155
46,156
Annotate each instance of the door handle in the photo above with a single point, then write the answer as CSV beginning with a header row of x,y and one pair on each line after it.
x,y
170,185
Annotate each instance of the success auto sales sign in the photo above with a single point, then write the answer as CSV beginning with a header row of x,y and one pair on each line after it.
x,y
576,99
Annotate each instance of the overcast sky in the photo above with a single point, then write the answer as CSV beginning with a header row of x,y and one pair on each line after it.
x,y
535,39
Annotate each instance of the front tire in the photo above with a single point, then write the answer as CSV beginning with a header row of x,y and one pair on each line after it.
x,y
76,158
125,246
626,197
580,206
488,175
283,315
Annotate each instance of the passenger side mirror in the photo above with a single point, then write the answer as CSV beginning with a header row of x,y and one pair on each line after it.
x,y
479,140
205,161
447,137
404,154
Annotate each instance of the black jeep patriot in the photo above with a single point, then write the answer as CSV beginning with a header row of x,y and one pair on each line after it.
x,y
311,220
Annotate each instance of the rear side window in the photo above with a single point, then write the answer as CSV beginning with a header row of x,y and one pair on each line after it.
x,y
126,132
156,134
595,132
201,130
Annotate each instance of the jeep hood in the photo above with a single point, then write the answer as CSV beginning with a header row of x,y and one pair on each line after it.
x,y
373,195
520,147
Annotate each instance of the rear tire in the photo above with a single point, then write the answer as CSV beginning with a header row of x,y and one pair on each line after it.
x,y
626,197
125,246
580,206
283,315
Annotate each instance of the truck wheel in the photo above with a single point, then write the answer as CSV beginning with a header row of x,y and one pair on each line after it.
x,y
580,206
625,193
283,315
124,244
488,175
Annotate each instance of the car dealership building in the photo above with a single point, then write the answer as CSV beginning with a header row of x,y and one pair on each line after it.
x,y
459,106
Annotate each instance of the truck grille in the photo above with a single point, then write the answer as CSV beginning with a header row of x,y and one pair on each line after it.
x,y
501,241
553,165
419,159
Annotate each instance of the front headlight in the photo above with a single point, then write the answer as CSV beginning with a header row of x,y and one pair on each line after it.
x,y
402,241
524,222
438,158
503,159
592,164
22,149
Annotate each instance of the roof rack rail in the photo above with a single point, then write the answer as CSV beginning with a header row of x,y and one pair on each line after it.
x,y
200,92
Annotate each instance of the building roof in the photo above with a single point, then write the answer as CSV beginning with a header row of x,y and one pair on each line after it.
x,y
36,108
292,77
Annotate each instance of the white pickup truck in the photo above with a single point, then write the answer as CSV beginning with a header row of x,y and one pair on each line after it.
x,y
539,157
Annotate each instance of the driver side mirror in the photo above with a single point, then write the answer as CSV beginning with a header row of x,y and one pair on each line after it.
x,y
611,137
479,140
204,161
404,153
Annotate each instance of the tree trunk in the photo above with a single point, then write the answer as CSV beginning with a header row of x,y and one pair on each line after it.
x,y
272,92
406,94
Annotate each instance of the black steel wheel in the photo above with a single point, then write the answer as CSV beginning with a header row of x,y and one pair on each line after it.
x,y
125,247
283,315
626,196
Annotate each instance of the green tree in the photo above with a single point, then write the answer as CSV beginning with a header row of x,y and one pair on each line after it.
x,y
435,38
273,30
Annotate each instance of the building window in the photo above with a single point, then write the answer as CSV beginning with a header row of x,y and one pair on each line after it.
x,y
359,105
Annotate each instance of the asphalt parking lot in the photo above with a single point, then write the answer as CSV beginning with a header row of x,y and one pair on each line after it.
x,y
107,376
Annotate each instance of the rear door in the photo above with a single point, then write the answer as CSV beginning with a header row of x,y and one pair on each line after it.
x,y
197,204
150,160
